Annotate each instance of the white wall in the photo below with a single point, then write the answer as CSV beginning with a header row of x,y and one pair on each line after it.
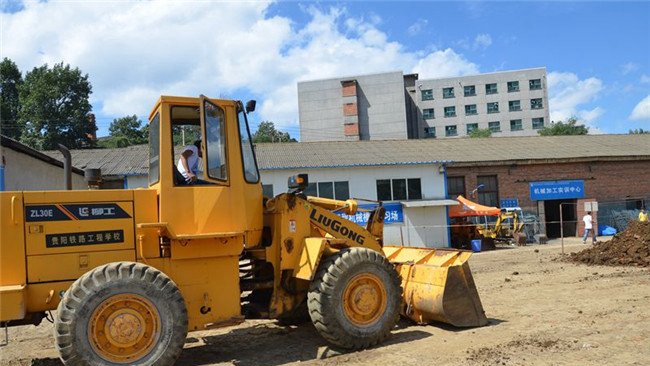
x,y
137,181
423,226
26,173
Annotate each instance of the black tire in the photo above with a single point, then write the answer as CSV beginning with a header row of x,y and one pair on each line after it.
x,y
327,291
139,287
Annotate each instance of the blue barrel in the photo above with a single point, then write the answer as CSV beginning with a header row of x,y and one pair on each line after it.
x,y
476,245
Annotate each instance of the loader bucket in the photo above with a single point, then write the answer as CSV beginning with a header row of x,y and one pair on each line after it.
x,y
437,285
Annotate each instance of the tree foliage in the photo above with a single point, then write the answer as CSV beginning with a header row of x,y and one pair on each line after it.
x,y
571,127
55,108
480,132
10,81
126,131
266,132
639,131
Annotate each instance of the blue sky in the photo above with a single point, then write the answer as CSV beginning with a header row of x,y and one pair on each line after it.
x,y
597,54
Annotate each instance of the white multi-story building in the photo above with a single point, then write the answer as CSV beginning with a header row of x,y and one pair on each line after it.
x,y
509,103
393,105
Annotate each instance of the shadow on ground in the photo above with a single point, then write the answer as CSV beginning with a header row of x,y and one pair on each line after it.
x,y
271,344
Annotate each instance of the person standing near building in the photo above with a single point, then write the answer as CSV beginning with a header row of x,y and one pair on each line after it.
x,y
589,228
643,215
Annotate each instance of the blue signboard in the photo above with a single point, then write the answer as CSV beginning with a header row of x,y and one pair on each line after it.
x,y
394,214
509,202
557,189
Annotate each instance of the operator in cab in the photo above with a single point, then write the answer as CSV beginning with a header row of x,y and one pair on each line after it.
x,y
188,163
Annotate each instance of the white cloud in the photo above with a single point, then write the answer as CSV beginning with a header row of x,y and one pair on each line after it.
x,y
135,51
482,41
417,27
629,67
645,79
567,93
642,110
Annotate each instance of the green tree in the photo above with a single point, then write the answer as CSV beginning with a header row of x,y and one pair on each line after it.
x,y
126,131
639,131
55,108
266,132
10,80
571,127
480,132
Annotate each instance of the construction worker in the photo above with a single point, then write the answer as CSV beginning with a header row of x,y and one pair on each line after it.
x,y
643,215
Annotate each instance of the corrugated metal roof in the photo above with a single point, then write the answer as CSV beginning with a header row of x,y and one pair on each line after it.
x,y
459,151
133,160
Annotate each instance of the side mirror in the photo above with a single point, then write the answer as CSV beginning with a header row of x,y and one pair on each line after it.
x,y
250,106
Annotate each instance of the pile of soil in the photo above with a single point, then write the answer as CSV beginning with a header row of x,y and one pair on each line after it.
x,y
630,247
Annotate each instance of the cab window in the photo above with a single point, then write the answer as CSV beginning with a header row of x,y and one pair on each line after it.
x,y
248,156
154,150
215,134
186,135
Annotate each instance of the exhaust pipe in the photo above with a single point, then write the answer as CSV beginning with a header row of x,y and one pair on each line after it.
x,y
67,167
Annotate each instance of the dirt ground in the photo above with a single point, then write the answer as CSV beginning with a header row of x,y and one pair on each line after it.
x,y
542,311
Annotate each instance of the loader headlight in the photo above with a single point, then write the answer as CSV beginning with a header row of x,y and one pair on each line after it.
x,y
298,182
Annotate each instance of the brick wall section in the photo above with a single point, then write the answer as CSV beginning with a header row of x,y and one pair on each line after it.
x,y
350,109
349,88
351,129
604,180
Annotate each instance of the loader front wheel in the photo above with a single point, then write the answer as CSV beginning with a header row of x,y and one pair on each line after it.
x,y
121,313
354,299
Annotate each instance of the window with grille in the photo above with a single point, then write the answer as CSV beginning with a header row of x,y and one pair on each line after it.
x,y
513,86
447,92
488,194
427,94
455,187
399,189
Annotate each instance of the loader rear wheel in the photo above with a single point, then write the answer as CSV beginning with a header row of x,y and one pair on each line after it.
x,y
354,299
121,313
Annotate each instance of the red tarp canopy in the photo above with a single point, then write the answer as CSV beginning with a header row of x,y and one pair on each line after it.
x,y
469,208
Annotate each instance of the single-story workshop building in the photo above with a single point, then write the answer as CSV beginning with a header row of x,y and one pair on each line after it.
x,y
416,178
25,169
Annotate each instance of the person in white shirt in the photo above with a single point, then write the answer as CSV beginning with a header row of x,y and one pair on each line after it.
x,y
188,163
589,228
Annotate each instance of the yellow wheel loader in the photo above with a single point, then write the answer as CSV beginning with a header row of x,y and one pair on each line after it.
x,y
131,272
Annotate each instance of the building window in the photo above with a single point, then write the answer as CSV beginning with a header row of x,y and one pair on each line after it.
x,y
493,107
427,94
488,194
335,190
514,105
538,123
455,187
399,189
469,90
450,111
471,127
451,131
513,86
430,132
535,84
447,92
536,103
516,125
427,113
494,126
491,88
470,109
267,190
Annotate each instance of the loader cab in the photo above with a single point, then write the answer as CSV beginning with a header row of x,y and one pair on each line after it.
x,y
227,197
